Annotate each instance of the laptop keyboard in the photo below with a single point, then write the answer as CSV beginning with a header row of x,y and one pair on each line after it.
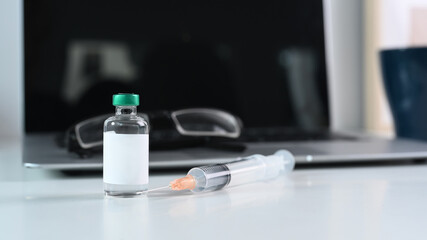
x,y
284,134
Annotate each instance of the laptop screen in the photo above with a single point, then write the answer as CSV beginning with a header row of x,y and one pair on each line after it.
x,y
263,61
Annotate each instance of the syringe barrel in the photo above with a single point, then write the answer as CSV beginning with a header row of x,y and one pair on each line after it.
x,y
210,178
245,170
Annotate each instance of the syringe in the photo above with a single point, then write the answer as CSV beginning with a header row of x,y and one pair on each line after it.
x,y
244,170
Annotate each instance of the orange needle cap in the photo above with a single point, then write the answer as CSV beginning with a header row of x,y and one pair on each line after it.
x,y
187,182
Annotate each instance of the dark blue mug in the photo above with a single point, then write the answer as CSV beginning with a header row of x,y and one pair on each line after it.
x,y
405,80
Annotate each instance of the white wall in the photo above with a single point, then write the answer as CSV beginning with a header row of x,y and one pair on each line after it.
x,y
378,119
400,27
11,75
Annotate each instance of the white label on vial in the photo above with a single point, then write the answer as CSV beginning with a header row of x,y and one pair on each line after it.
x,y
125,158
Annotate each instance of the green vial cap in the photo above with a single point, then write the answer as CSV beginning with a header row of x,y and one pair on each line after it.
x,y
125,99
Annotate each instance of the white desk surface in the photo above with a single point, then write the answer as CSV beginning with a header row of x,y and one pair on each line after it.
x,y
382,202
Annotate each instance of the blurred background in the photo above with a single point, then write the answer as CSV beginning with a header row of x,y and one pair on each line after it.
x,y
388,24
379,24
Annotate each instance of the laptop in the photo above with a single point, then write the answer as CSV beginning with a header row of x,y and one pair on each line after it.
x,y
264,62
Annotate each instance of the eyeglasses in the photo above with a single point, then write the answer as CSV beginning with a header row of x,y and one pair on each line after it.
x,y
206,122
176,129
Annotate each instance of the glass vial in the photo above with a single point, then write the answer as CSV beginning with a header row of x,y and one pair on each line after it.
x,y
125,156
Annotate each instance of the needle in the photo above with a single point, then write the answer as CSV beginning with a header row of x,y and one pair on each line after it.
x,y
159,188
